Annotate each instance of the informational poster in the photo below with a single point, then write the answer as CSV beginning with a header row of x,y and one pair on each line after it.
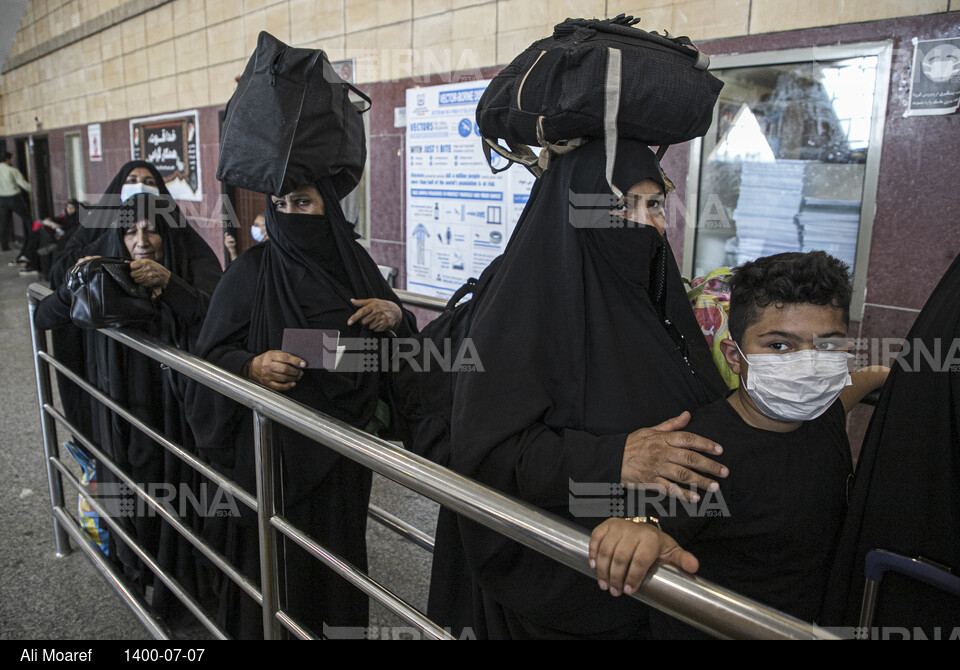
x,y
935,79
171,144
459,215
94,143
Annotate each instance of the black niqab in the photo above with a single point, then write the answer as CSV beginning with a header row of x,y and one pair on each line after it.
x,y
585,335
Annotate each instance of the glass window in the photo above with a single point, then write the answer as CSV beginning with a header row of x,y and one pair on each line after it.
x,y
790,162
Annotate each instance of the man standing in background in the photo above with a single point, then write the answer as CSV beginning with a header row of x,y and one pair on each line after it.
x,y
11,181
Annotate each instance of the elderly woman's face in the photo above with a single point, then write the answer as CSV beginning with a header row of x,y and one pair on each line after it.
x,y
303,200
140,175
643,204
143,241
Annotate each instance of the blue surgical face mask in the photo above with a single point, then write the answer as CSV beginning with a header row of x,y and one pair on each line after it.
x,y
127,191
257,233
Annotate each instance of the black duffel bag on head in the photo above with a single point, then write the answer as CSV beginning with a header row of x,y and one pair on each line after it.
x,y
291,122
104,295
597,79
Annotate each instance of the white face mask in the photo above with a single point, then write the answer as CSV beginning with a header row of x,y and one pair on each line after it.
x,y
799,386
257,233
127,191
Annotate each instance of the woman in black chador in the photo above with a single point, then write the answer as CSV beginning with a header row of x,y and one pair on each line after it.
x,y
310,274
586,337
149,231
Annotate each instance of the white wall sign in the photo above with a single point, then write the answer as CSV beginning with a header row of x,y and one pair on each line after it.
x,y
459,216
94,143
935,77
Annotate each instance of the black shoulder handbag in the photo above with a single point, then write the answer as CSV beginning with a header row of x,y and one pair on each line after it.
x,y
103,295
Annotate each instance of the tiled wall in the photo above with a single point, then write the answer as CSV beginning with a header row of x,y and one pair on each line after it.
x,y
140,57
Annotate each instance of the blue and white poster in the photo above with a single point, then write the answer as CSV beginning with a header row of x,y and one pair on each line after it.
x,y
459,214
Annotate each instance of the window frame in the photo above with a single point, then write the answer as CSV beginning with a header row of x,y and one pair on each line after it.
x,y
883,50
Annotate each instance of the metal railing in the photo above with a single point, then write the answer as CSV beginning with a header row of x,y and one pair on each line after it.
x,y
698,602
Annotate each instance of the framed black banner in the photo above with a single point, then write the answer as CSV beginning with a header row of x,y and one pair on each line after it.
x,y
170,142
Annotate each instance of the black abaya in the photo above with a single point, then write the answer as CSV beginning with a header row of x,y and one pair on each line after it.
x,y
584,335
906,492
153,396
302,277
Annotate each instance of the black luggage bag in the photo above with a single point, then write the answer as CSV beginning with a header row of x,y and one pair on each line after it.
x,y
598,78
291,122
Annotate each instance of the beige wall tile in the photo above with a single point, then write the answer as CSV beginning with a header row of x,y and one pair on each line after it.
x,y
107,5
510,43
135,69
42,31
163,95
159,24
312,19
88,10
332,46
222,80
188,16
46,71
138,100
31,73
429,7
72,17
93,78
708,19
391,59
853,11
954,5
275,20
161,62
225,41
116,104
364,14
11,102
191,51
256,5
558,10
133,34
113,74
55,22
223,10
433,30
91,49
111,42
514,15
473,43
71,57
193,89
768,16
96,106
76,113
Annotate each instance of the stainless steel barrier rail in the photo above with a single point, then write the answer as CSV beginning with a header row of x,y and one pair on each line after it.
x,y
706,606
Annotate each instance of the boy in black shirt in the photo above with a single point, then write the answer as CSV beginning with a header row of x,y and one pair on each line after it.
x,y
771,531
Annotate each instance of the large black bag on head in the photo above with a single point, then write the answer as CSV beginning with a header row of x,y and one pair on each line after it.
x,y
598,78
291,122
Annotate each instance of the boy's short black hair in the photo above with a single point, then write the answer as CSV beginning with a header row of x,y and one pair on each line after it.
x,y
5,156
783,279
